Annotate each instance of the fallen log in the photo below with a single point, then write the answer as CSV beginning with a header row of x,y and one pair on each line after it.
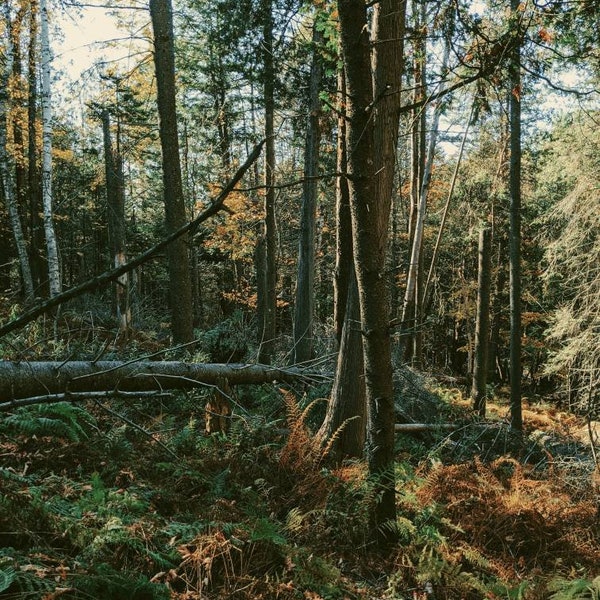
x,y
417,427
28,379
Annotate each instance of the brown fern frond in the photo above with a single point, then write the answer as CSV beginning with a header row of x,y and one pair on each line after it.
x,y
331,442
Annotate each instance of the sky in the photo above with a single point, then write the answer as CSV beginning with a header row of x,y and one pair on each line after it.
x,y
84,34
83,43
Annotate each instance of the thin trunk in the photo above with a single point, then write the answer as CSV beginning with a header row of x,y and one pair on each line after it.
x,y
54,278
17,123
115,206
415,280
436,248
343,244
410,306
269,323
305,293
180,289
36,231
482,326
6,166
516,417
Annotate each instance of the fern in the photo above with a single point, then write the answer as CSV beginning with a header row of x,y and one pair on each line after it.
x,y
62,420
107,582
7,576
265,530
578,589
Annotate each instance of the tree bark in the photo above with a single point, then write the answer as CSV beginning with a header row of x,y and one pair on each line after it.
x,y
36,232
344,268
115,207
346,410
371,143
23,380
482,326
268,326
54,277
180,288
304,306
516,416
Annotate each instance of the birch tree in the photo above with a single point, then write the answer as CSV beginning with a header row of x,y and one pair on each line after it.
x,y
54,277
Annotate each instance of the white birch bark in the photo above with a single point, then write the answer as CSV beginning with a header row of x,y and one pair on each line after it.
x,y
51,243
6,166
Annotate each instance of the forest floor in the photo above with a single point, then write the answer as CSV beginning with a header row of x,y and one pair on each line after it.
x,y
133,500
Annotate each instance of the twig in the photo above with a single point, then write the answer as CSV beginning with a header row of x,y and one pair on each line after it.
x,y
136,426
77,397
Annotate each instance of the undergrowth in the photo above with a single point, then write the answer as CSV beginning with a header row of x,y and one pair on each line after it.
x,y
92,507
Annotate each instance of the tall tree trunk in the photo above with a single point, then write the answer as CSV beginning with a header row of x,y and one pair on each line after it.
x,y
346,411
482,326
115,206
516,417
6,165
344,269
36,231
414,299
304,306
54,278
180,288
268,325
371,141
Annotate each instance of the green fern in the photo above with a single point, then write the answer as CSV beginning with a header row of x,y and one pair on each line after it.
x,y
578,589
62,420
107,582
7,576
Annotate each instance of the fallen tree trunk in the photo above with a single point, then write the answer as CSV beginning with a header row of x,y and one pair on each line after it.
x,y
28,379
417,427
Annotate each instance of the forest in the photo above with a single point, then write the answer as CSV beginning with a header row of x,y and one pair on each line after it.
x,y
300,300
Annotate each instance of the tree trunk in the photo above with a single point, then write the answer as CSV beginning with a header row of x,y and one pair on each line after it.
x,y
346,410
304,307
427,292
344,269
36,232
20,380
371,143
516,417
414,299
180,289
115,206
268,326
6,165
54,278
482,326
